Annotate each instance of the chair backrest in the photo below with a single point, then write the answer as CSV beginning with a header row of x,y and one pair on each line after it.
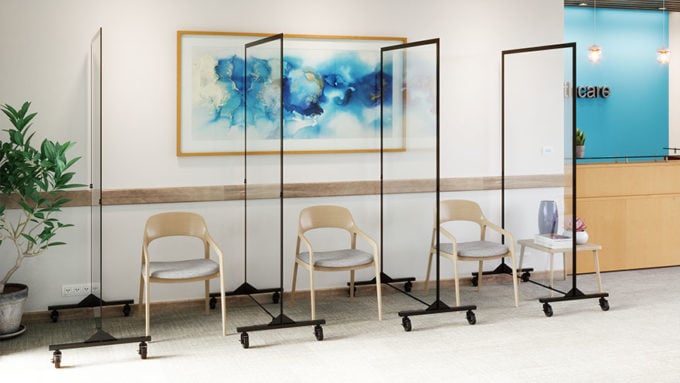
x,y
325,216
460,210
173,224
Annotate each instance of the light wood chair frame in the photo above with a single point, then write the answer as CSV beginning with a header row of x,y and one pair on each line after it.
x,y
465,210
332,217
175,224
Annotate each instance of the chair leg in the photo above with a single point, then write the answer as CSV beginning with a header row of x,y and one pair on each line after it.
x,y
223,303
351,285
147,308
292,288
427,274
311,292
514,279
378,291
207,297
480,271
141,296
455,279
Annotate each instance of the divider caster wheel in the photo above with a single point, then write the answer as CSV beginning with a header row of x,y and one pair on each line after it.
x,y
142,350
276,297
318,332
408,286
406,324
213,303
56,358
54,316
547,309
525,276
475,281
604,304
471,318
126,310
244,340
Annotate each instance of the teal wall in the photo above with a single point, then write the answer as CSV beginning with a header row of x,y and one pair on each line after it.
x,y
633,120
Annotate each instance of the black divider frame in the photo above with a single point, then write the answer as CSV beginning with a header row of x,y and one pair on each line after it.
x,y
574,293
100,337
438,306
280,320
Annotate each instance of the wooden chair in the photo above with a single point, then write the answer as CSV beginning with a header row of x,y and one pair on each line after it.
x,y
191,269
344,259
480,251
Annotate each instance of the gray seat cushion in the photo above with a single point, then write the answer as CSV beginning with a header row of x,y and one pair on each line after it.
x,y
476,249
194,268
338,258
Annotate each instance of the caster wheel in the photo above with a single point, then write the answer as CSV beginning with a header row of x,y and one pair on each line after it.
x,y
408,286
547,309
474,281
56,359
604,304
142,350
406,324
525,276
318,332
213,303
244,340
471,317
126,310
54,316
276,297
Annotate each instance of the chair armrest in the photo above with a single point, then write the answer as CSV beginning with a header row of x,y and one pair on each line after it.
x,y
217,249
371,242
448,236
308,245
500,230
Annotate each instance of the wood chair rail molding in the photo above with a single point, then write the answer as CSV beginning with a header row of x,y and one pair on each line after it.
x,y
115,197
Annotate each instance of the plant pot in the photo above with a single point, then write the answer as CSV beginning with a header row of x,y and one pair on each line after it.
x,y
581,236
580,151
12,309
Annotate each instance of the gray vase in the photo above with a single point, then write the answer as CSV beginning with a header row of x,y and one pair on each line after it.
x,y
547,217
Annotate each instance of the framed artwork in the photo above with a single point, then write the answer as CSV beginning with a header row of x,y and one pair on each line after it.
x,y
330,87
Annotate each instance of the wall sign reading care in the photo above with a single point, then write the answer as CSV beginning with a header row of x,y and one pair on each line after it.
x,y
592,91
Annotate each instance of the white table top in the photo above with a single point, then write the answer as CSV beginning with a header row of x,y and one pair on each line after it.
x,y
585,247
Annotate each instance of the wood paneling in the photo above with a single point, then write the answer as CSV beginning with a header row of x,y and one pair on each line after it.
x,y
306,190
631,210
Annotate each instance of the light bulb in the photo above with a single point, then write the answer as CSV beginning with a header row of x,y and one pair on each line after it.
x,y
594,53
663,55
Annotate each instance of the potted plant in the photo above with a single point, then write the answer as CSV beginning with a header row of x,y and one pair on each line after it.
x,y
580,141
581,233
31,184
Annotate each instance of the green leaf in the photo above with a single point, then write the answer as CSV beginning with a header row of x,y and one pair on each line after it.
x,y
28,238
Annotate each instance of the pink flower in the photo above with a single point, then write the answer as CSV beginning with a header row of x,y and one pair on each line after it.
x,y
580,225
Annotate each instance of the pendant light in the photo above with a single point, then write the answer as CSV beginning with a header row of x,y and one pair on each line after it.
x,y
663,54
594,51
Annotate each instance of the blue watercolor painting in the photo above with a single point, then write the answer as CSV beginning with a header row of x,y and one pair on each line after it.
x,y
329,96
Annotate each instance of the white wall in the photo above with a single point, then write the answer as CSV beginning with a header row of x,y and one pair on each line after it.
x,y
45,60
674,80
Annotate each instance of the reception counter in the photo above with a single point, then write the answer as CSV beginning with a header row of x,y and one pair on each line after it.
x,y
632,210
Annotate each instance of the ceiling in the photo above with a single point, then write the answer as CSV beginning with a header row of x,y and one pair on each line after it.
x,y
671,5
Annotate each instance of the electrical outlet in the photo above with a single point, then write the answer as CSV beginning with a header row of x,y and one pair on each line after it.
x,y
81,289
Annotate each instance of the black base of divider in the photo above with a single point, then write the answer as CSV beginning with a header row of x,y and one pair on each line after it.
x,y
89,301
99,338
279,322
